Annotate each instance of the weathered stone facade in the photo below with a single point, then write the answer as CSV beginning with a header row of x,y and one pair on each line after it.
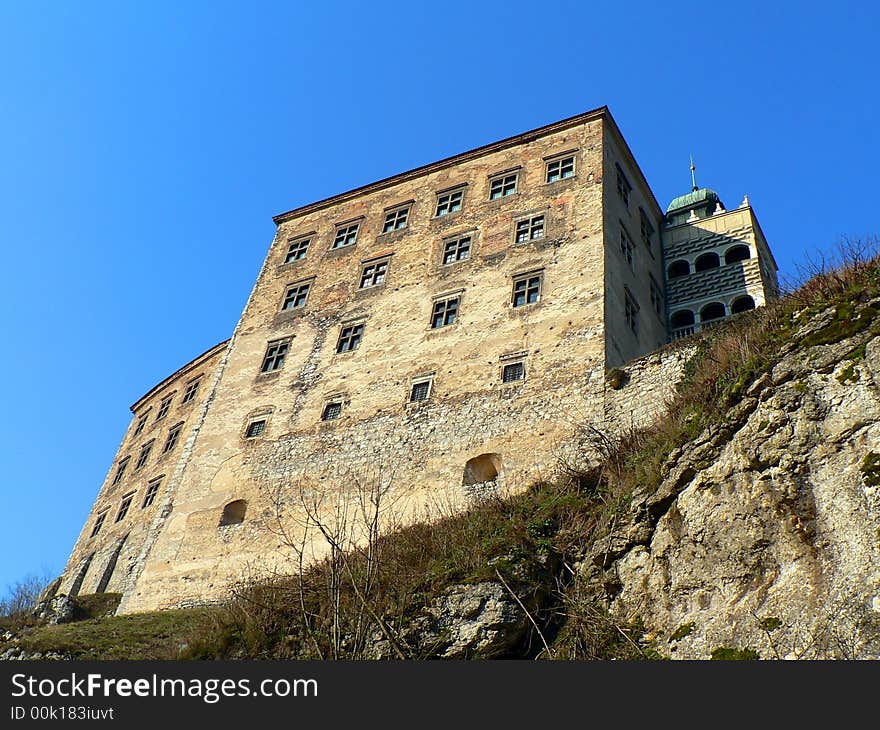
x,y
440,333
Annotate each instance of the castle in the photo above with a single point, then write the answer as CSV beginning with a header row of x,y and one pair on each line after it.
x,y
443,331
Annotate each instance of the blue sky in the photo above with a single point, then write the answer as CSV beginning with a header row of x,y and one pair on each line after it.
x,y
144,148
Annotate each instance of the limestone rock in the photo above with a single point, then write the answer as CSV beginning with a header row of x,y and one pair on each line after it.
x,y
60,609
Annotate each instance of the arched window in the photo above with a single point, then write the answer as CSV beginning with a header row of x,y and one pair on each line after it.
x,y
737,253
233,513
742,304
682,318
679,268
481,469
712,311
707,261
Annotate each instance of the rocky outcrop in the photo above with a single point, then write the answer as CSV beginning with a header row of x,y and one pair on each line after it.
x,y
60,609
764,535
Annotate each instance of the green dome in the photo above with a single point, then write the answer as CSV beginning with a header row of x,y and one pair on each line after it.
x,y
694,198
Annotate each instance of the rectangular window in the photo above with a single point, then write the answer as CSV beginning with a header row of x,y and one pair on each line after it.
x,y
374,274
623,187
346,235
631,312
526,290
503,185
274,357
164,406
152,491
297,249
332,411
456,249
647,230
396,219
656,296
191,389
421,390
513,372
99,523
120,470
173,436
445,312
530,228
350,338
255,429
296,295
144,455
626,247
142,421
449,202
560,168
123,508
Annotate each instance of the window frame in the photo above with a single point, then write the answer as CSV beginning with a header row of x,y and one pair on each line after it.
x,y
121,466
356,331
374,264
393,215
124,506
515,365
448,300
191,389
298,285
343,231
627,248
449,193
172,438
165,406
152,492
333,405
531,227
456,240
657,301
263,422
527,277
624,187
646,230
559,159
418,381
501,178
631,311
271,362
99,522
141,423
144,455
303,244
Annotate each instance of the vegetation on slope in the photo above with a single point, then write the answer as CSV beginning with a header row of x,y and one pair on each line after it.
x,y
531,542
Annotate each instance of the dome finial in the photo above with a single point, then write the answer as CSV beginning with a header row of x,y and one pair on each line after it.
x,y
693,175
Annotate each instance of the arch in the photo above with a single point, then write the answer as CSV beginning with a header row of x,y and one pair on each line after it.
x,y
707,261
712,311
737,253
678,268
481,469
682,318
742,304
233,513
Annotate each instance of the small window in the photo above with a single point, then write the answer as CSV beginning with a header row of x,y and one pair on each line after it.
x,y
374,274
560,168
173,437
737,253
742,304
274,357
332,411
449,202
530,229
297,250
296,296
152,491
142,421
144,455
445,312
707,261
255,429
646,229
626,247
164,407
503,185
421,390
120,470
526,290
233,513
512,372
656,296
631,312
678,269
456,249
346,235
623,187
99,523
350,338
396,219
192,387
123,508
